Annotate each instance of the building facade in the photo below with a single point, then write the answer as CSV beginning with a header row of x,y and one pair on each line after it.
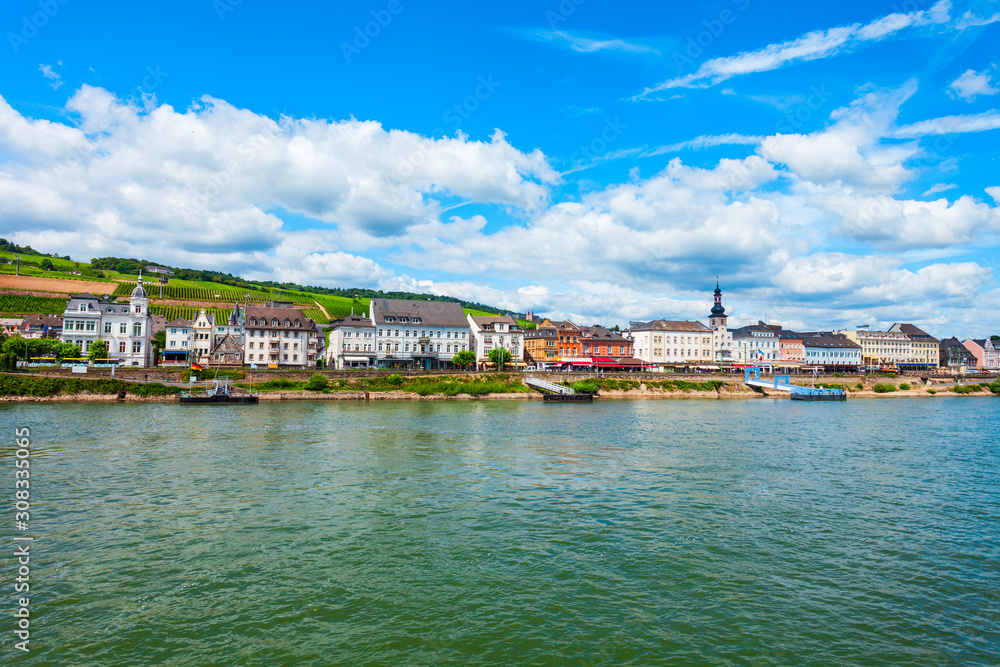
x,y
425,334
954,356
926,349
833,352
598,341
496,332
352,343
126,328
540,347
985,352
673,343
177,351
756,344
279,335
881,348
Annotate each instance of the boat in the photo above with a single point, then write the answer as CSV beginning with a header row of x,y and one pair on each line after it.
x,y
219,393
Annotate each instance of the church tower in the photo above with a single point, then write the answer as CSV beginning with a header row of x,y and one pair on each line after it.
x,y
717,319
722,338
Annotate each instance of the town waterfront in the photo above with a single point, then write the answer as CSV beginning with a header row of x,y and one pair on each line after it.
x,y
502,532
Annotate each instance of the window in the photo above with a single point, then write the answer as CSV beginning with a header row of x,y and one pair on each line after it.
x,y
286,357
121,347
184,343
136,347
123,329
107,327
286,346
138,309
137,329
295,357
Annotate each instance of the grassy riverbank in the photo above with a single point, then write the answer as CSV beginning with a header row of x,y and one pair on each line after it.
x,y
13,386
470,385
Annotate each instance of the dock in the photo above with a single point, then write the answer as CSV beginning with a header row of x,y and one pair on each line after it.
x,y
751,378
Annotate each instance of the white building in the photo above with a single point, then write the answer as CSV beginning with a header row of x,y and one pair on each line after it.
x,y
126,328
882,348
352,343
496,332
178,342
756,344
672,343
279,335
419,333
834,352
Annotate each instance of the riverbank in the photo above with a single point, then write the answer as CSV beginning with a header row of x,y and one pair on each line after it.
x,y
18,388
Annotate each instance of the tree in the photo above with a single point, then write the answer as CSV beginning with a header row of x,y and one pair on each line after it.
x,y
67,351
464,359
317,382
500,357
159,341
47,264
98,350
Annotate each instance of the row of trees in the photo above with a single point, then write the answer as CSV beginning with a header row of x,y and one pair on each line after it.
x,y
499,356
15,347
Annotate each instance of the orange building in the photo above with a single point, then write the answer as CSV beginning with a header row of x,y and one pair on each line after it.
x,y
567,338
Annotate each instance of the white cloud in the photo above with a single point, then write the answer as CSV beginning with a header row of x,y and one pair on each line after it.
x,y
982,122
811,46
54,78
588,45
938,187
971,84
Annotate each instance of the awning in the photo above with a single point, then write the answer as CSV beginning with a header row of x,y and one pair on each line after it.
x,y
365,359
708,368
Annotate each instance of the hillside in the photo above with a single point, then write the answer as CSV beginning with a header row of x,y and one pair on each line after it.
x,y
47,280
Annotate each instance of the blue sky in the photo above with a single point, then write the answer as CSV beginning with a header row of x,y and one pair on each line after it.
x,y
834,165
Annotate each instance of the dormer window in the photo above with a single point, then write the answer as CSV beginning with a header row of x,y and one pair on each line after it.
x,y
83,307
297,322
274,322
288,322
416,320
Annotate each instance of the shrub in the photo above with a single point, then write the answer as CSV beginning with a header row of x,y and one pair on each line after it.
x,y
279,383
395,379
884,388
890,374
860,386
317,382
995,387
904,386
932,391
965,389
838,375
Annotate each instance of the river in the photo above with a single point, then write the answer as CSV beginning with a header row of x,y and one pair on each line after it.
x,y
700,532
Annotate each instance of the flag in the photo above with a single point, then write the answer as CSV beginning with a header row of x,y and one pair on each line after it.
x,y
253,367
196,367
760,355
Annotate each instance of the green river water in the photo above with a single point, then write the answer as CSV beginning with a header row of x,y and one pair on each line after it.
x,y
702,532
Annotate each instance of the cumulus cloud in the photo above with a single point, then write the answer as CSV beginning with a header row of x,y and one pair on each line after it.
x,y
972,83
809,226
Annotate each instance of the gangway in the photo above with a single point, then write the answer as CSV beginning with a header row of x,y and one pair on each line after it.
x,y
557,393
751,378
549,386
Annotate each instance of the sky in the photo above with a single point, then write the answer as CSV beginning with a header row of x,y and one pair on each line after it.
x,y
834,164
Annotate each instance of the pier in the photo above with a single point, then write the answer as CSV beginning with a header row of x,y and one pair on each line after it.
x,y
751,378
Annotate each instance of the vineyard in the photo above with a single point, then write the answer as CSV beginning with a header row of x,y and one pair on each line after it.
x,y
203,294
189,313
18,304
315,314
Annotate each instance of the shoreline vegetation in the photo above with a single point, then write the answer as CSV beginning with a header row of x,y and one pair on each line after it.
x,y
19,387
